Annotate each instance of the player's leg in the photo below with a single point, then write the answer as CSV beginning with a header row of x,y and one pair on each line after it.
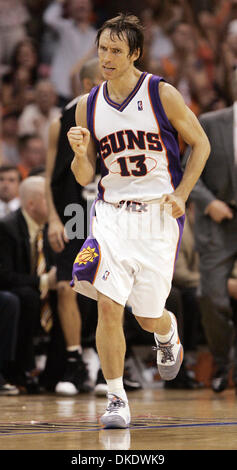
x,y
75,378
152,286
111,347
168,345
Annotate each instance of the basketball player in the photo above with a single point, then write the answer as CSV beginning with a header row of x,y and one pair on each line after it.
x,y
133,118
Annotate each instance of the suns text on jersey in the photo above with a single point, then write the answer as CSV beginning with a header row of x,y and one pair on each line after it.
x,y
129,140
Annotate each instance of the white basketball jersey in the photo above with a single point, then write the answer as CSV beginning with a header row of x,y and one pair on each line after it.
x,y
138,146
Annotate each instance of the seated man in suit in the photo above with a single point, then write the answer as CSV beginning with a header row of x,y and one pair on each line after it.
x,y
19,272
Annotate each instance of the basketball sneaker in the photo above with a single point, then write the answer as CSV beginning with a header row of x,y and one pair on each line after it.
x,y
6,388
169,354
75,379
117,413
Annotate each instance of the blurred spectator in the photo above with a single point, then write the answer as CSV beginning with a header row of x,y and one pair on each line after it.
x,y
37,117
32,153
228,60
157,43
18,272
113,8
76,38
231,40
158,17
185,51
35,25
13,19
10,153
226,11
186,70
9,189
201,16
18,83
184,55
208,40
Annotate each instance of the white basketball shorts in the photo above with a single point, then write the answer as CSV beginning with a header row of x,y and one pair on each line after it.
x,y
129,256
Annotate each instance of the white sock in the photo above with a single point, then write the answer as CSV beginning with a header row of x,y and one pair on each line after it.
x,y
166,338
116,387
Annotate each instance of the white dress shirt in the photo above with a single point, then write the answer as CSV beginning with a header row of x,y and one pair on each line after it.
x,y
7,207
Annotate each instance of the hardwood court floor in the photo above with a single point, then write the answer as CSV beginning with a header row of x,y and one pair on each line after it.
x,y
161,420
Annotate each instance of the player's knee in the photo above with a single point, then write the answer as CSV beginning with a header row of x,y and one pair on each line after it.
x,y
105,308
108,312
148,324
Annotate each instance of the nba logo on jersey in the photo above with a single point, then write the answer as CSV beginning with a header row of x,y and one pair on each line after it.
x,y
139,106
106,275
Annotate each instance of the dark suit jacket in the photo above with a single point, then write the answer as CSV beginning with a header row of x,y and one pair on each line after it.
x,y
218,179
15,267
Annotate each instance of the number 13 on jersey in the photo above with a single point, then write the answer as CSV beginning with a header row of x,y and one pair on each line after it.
x,y
134,165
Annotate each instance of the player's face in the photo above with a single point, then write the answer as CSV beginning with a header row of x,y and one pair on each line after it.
x,y
114,56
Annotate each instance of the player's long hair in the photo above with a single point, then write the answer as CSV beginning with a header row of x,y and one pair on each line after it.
x,y
129,25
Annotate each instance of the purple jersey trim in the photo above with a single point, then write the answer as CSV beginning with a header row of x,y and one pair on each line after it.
x,y
123,105
168,133
92,215
180,222
91,102
91,105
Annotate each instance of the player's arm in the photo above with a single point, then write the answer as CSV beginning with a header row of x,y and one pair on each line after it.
x,y
84,163
56,233
188,126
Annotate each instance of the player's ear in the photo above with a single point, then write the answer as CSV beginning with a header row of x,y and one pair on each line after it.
x,y
135,55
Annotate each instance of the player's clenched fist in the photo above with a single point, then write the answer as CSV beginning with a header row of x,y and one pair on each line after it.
x,y
79,138
176,203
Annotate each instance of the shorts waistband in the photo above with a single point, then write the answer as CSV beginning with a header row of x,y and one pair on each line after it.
x,y
137,203
133,206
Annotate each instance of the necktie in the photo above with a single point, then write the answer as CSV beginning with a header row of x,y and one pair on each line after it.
x,y
46,318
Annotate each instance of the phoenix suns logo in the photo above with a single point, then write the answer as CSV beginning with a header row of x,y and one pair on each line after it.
x,y
87,255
